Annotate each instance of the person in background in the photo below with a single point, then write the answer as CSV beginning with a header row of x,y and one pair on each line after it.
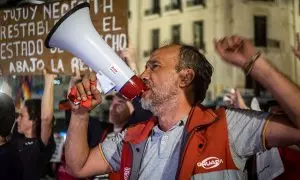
x,y
276,163
35,123
120,111
10,165
262,165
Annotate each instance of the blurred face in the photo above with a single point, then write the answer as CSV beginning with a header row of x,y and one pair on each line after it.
x,y
161,79
24,124
119,111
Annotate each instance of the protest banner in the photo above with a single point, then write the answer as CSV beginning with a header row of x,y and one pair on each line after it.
x,y
23,31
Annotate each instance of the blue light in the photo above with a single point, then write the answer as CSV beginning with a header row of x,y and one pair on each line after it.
x,y
63,134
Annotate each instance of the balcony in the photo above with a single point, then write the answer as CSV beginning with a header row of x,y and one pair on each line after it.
x,y
273,43
191,3
152,11
173,6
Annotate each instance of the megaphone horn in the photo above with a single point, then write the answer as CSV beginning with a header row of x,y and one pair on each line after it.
x,y
75,33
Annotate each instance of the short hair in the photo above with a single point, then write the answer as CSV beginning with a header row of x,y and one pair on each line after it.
x,y
110,97
7,114
190,57
34,111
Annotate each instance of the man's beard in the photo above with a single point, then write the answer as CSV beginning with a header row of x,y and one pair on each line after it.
x,y
161,97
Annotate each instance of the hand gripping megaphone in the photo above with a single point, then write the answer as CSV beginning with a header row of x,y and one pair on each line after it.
x,y
75,33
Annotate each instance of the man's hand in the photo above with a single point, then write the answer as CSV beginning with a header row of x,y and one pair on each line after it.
x,y
235,50
129,56
296,49
74,79
87,93
235,99
81,161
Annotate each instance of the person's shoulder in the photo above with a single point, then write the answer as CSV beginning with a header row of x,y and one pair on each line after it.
x,y
247,112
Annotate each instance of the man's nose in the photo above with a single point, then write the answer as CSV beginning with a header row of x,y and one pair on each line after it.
x,y
145,75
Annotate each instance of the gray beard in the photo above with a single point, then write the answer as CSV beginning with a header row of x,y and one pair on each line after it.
x,y
147,105
159,104
162,98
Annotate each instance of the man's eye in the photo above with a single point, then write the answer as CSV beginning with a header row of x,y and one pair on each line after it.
x,y
153,66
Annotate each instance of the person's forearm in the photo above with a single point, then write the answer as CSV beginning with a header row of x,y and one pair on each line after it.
x,y
47,109
47,101
283,90
76,147
133,67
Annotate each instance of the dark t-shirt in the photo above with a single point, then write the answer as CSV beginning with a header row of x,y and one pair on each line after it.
x,y
10,164
97,131
34,156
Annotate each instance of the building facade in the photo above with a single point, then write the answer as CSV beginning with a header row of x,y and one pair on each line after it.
x,y
270,24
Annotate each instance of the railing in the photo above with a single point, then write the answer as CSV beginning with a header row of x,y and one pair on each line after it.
x,y
173,6
190,3
152,11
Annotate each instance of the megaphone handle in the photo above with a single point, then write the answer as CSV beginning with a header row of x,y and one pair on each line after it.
x,y
73,97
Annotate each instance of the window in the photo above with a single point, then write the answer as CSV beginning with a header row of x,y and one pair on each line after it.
x,y
176,34
155,39
195,2
128,12
260,31
174,4
199,35
155,8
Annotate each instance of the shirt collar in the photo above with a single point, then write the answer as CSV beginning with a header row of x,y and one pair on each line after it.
x,y
181,122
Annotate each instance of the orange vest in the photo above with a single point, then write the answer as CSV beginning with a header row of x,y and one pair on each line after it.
x,y
205,149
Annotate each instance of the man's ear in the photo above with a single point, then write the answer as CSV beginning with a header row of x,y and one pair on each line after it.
x,y
186,77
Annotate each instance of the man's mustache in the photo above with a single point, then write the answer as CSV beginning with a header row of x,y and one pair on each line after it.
x,y
147,84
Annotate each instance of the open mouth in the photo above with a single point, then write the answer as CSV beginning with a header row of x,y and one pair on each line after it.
x,y
146,93
146,90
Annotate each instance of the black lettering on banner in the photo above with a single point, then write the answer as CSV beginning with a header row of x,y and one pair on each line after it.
x,y
23,31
